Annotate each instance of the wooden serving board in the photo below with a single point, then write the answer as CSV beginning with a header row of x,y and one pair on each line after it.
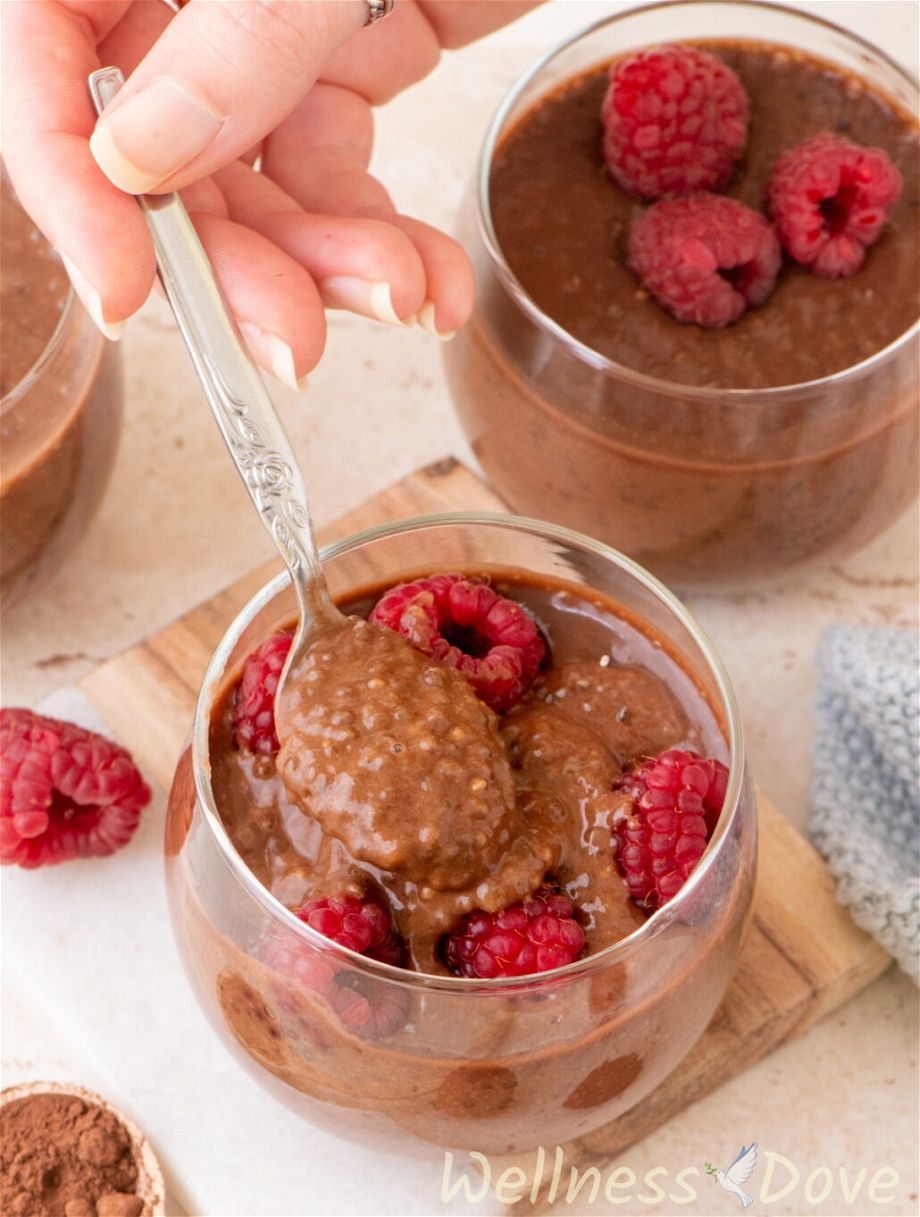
x,y
803,957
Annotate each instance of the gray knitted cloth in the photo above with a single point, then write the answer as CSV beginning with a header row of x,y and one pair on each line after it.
x,y
866,792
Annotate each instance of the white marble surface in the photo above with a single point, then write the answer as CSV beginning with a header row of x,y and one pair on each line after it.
x,y
843,1096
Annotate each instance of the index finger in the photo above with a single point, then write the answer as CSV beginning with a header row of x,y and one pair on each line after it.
x,y
216,81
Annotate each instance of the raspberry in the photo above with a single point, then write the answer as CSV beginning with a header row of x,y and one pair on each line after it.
x,y
830,199
705,258
254,708
465,624
361,925
676,801
675,120
364,1006
534,935
64,792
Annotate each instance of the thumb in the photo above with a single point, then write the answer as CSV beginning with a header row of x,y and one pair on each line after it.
x,y
216,81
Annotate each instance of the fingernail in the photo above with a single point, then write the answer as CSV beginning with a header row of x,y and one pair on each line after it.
x,y
368,297
112,330
153,134
426,321
273,353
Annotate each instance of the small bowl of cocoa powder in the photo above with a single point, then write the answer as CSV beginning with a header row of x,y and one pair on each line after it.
x,y
67,1152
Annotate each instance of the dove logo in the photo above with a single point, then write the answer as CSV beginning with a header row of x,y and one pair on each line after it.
x,y
739,1172
782,1177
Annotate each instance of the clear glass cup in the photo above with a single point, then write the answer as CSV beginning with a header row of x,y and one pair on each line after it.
x,y
709,489
60,425
456,1062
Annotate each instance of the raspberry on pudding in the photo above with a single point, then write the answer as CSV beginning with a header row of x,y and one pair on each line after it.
x,y
830,199
674,801
675,121
697,311
254,707
361,925
534,935
501,649
705,258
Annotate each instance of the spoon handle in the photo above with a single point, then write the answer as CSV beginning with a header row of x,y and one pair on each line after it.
x,y
238,399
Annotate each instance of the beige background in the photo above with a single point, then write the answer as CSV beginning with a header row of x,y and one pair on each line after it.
x,y
175,526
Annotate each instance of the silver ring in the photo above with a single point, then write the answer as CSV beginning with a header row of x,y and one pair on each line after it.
x,y
377,9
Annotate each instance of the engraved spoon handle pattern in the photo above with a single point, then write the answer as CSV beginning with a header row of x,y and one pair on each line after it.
x,y
236,394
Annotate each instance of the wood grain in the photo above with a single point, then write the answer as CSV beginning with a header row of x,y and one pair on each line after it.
x,y
803,956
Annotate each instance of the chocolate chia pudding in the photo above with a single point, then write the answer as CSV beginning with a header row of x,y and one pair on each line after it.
x,y
61,403
717,458
398,787
450,806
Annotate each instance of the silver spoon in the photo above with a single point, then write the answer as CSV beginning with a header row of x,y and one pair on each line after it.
x,y
236,394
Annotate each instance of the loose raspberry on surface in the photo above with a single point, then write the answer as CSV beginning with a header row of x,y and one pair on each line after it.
x,y
362,925
675,120
830,199
467,625
676,799
705,258
64,792
534,935
254,707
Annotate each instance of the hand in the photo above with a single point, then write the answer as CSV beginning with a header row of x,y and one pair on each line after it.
x,y
214,90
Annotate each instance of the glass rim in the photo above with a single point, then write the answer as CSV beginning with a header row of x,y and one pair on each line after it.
x,y
22,386
581,350
611,954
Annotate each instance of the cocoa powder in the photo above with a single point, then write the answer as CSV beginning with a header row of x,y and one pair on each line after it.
x,y
63,1157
